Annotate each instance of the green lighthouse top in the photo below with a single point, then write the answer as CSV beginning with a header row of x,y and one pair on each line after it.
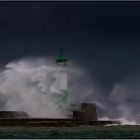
x,y
61,59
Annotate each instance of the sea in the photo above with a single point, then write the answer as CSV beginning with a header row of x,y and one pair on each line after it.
x,y
81,132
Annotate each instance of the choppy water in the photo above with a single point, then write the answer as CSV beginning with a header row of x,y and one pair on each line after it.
x,y
76,132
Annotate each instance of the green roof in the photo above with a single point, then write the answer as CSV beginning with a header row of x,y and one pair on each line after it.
x,y
61,57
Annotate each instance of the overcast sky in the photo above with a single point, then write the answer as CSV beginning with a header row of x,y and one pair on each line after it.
x,y
102,36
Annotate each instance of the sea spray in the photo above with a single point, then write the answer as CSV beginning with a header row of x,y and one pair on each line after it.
x,y
30,85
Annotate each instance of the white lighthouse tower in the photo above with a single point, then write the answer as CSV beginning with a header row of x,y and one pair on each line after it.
x,y
62,79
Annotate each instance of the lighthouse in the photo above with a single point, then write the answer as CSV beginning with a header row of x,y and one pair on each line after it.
x,y
62,78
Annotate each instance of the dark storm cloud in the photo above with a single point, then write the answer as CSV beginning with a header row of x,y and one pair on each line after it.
x,y
103,36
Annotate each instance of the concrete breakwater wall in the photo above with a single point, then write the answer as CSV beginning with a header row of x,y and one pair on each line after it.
x,y
85,115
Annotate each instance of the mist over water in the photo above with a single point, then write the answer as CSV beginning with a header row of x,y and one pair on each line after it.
x,y
30,85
